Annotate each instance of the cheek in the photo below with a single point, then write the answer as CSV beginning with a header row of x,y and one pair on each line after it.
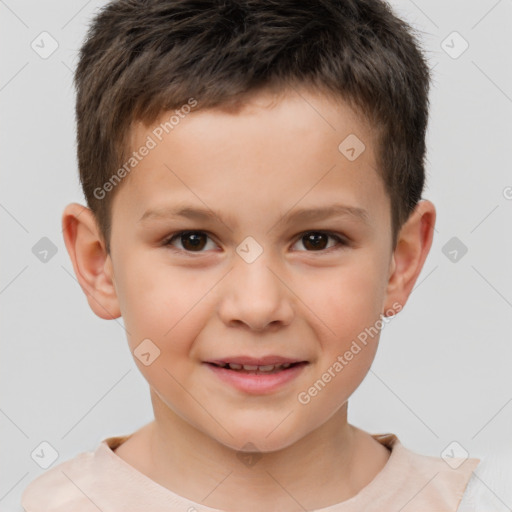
x,y
346,304
346,300
164,304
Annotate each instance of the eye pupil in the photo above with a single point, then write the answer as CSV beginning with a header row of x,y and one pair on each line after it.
x,y
194,238
313,238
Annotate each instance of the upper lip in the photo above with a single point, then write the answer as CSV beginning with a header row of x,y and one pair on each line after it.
x,y
256,361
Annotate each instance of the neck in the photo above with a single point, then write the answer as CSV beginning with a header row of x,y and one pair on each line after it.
x,y
192,464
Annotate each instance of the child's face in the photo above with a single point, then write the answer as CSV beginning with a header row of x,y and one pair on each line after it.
x,y
215,297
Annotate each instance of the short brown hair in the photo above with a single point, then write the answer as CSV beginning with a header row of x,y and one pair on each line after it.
x,y
142,58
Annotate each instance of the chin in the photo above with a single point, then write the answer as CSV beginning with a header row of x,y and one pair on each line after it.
x,y
257,439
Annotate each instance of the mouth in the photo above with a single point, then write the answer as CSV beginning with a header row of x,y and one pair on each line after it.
x,y
257,376
266,369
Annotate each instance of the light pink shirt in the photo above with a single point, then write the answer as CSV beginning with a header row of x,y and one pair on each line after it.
x,y
102,481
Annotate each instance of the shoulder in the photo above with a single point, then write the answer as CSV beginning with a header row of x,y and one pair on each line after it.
x,y
426,482
490,486
448,469
63,487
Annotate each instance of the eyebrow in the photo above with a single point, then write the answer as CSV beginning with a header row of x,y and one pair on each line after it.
x,y
298,215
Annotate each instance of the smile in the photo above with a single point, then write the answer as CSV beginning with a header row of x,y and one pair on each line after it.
x,y
257,379
269,368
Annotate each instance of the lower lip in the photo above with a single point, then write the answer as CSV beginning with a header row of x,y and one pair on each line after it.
x,y
257,383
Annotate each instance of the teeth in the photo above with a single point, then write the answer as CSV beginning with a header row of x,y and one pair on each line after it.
x,y
267,368
263,368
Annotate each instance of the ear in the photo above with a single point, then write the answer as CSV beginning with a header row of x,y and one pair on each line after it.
x,y
413,245
91,263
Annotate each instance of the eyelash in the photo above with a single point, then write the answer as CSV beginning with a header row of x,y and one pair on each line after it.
x,y
342,242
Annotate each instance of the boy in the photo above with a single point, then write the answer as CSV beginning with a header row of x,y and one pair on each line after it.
x,y
253,173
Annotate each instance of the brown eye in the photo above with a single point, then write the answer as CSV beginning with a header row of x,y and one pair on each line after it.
x,y
316,241
191,241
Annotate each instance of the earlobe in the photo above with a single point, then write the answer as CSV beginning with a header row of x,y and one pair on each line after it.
x,y
413,245
91,263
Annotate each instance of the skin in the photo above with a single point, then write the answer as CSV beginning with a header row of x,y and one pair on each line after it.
x,y
254,167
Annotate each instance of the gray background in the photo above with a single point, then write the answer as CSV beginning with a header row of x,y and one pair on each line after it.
x,y
443,369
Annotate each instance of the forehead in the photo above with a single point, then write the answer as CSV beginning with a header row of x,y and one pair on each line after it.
x,y
277,153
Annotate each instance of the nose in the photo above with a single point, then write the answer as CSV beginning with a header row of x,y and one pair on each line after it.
x,y
255,295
